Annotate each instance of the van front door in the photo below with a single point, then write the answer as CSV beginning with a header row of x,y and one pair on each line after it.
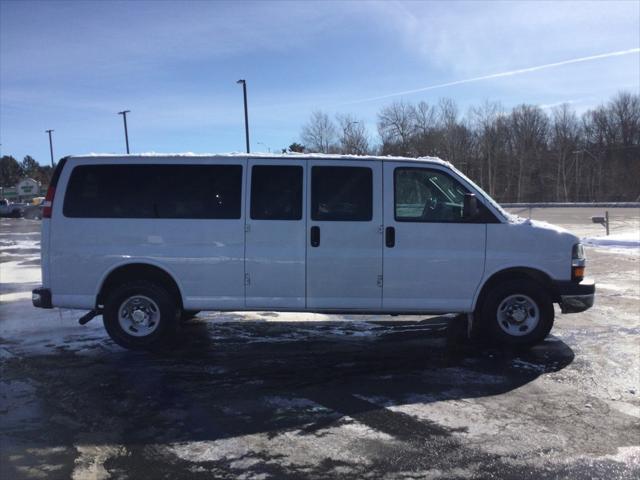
x,y
344,237
275,235
433,257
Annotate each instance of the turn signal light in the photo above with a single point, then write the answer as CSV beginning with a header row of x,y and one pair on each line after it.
x,y
578,261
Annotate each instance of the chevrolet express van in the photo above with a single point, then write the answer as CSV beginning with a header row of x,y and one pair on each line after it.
x,y
146,240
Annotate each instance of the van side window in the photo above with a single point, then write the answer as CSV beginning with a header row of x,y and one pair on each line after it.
x,y
276,192
341,194
154,191
424,195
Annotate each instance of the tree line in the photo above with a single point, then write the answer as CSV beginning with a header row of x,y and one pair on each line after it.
x,y
525,154
12,171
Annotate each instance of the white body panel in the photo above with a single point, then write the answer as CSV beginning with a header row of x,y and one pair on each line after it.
x,y
45,238
433,267
275,254
343,271
205,259
529,244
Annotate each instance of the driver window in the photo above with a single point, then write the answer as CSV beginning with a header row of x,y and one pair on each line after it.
x,y
423,195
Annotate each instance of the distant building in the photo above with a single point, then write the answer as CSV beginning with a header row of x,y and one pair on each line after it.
x,y
25,190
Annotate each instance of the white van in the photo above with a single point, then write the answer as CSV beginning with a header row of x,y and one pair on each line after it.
x,y
147,239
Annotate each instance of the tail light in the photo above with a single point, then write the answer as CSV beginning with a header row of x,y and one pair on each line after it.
x,y
47,204
578,262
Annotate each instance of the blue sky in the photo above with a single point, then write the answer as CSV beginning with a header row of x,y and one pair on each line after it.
x,y
71,66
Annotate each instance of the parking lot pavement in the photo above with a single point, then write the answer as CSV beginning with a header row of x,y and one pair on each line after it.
x,y
328,397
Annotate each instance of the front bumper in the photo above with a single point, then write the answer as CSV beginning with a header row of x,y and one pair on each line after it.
x,y
41,298
575,297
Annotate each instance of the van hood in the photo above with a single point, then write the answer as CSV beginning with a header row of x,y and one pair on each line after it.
x,y
546,229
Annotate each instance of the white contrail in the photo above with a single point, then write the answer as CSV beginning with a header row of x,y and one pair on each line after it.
x,y
502,74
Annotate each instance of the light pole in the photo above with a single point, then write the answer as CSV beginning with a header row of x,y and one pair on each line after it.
x,y
50,146
126,133
265,146
246,112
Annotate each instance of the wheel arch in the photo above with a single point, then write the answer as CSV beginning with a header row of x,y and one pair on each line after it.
x,y
515,273
137,271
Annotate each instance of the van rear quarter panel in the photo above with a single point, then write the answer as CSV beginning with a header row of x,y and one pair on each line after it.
x,y
205,257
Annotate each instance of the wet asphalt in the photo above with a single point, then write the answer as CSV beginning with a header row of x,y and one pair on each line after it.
x,y
275,397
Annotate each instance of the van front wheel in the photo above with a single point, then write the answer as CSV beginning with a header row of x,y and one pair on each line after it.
x,y
519,312
141,315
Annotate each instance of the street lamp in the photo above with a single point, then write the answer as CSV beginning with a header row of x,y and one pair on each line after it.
x,y
246,112
265,146
50,146
126,133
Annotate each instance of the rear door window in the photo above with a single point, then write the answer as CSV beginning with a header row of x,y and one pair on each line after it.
x,y
276,192
341,194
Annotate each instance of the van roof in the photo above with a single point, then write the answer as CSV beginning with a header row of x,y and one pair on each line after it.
x,y
288,156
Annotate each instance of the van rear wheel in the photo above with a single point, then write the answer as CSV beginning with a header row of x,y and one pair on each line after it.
x,y
518,312
141,315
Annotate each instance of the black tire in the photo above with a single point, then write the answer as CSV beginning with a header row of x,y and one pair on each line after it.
x,y
165,327
522,334
188,315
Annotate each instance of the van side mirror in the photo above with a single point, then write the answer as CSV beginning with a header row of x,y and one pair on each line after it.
x,y
470,206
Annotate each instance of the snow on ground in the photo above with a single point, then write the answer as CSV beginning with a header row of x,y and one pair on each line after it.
x,y
273,397
629,239
17,272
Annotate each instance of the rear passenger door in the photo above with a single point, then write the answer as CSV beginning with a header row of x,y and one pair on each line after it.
x,y
344,236
275,235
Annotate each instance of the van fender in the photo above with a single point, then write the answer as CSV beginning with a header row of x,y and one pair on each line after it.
x,y
537,274
137,261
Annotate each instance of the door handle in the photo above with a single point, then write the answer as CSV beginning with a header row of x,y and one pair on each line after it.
x,y
315,236
390,237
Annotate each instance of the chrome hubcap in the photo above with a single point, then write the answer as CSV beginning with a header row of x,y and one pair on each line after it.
x,y
139,316
518,315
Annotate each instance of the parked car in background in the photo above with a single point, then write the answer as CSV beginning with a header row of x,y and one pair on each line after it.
x,y
33,212
8,209
138,240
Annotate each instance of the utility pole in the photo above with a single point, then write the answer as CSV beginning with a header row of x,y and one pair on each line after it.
x,y
50,146
126,133
246,112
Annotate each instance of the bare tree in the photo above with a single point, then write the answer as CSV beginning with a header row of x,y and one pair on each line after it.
x,y
624,116
526,154
319,133
424,118
565,137
528,141
353,135
489,127
395,125
456,140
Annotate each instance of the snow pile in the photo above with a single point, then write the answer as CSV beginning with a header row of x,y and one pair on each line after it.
x,y
617,240
15,272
